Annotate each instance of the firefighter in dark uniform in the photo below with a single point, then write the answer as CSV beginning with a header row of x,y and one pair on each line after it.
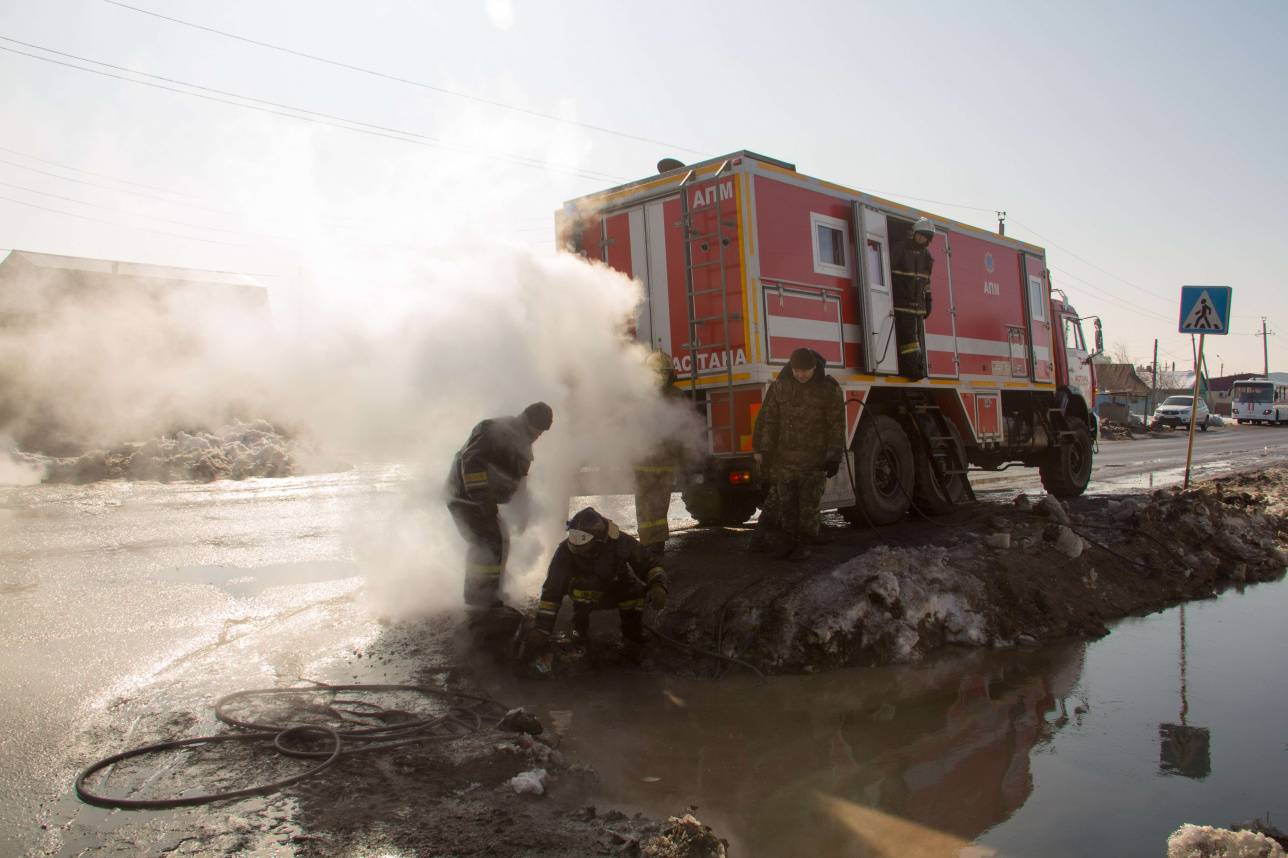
x,y
655,474
800,438
598,566
911,268
486,473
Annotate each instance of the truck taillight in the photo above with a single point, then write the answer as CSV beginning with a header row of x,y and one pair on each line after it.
x,y
739,478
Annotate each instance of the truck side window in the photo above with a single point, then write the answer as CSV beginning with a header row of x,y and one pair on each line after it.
x,y
1036,301
876,265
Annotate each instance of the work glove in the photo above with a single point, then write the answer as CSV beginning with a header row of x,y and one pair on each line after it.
x,y
831,466
657,597
927,300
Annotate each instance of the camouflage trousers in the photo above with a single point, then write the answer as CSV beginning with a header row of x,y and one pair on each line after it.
x,y
793,500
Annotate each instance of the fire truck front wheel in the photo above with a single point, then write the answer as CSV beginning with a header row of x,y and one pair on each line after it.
x,y
1066,470
883,470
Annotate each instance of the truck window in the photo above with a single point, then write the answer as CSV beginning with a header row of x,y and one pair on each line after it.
x,y
1036,300
1073,335
876,265
828,234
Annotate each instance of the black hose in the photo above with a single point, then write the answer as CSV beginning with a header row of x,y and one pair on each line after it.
x,y
701,651
462,718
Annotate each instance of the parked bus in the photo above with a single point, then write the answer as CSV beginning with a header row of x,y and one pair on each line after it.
x,y
1259,401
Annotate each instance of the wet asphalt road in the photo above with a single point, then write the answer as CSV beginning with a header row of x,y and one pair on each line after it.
x,y
168,595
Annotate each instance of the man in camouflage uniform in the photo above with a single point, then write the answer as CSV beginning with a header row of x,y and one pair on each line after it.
x,y
655,474
800,440
911,267
487,472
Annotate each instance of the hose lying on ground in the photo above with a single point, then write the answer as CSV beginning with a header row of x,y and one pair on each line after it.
x,y
463,716
700,651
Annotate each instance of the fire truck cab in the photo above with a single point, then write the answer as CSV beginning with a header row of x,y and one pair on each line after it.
x,y
741,259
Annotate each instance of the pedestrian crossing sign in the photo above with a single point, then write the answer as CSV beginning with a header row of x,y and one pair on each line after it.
x,y
1205,309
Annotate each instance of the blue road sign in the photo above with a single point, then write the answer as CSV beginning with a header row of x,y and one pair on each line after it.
x,y
1205,309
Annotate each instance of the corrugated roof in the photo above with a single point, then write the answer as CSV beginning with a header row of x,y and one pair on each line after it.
x,y
1119,378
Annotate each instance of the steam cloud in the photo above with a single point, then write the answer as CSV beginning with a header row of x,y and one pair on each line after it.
x,y
387,361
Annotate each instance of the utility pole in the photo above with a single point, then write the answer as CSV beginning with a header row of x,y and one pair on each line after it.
x,y
1265,347
1153,387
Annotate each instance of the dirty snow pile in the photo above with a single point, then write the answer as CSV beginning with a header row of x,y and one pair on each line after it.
x,y
685,837
1204,841
885,605
237,451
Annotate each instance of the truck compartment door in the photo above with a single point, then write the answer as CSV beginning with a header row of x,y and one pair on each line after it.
x,y
872,242
802,318
1038,304
648,241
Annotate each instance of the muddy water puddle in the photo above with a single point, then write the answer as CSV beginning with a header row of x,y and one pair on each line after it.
x,y
1075,749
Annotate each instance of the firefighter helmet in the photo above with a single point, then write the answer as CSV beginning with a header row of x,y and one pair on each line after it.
x,y
585,528
924,226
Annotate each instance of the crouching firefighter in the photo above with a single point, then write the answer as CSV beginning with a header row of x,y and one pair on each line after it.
x,y
486,473
598,566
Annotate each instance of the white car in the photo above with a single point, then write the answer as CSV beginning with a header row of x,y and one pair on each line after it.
x,y
1175,412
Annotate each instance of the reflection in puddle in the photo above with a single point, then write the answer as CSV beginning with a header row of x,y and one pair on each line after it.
x,y
1074,749
842,763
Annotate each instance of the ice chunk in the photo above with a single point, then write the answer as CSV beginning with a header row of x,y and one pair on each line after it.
x,y
530,783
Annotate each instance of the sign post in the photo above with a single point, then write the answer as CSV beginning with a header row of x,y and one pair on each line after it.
x,y
1204,310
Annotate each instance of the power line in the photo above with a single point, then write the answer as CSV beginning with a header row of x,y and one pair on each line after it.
x,y
1110,297
300,114
90,172
1084,261
119,225
113,190
148,216
408,81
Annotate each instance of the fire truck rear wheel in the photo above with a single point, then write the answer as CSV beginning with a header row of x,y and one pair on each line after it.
x,y
1066,470
932,497
713,507
884,474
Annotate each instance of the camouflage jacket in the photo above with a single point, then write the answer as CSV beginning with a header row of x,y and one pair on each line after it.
x,y
802,425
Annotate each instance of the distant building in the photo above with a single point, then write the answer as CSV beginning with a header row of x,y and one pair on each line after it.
x,y
1120,391
32,284
76,332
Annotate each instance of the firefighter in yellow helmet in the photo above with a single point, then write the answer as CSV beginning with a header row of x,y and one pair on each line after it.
x,y
655,474
911,267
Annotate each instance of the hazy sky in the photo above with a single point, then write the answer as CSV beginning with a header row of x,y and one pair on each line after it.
x,y
1142,144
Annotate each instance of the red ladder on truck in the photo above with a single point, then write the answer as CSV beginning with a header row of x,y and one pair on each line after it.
x,y
724,234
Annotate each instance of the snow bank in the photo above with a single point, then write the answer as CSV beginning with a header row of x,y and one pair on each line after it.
x,y
237,451
1204,841
885,605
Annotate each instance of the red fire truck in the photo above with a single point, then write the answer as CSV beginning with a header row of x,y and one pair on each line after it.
x,y
742,259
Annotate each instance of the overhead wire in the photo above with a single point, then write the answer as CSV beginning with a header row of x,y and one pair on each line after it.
x,y
403,80
297,113
120,225
89,172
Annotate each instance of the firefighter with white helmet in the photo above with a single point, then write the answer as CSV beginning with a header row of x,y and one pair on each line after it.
x,y
911,269
598,566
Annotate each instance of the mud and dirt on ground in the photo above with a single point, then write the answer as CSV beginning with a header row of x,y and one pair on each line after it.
x,y
504,789
993,574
